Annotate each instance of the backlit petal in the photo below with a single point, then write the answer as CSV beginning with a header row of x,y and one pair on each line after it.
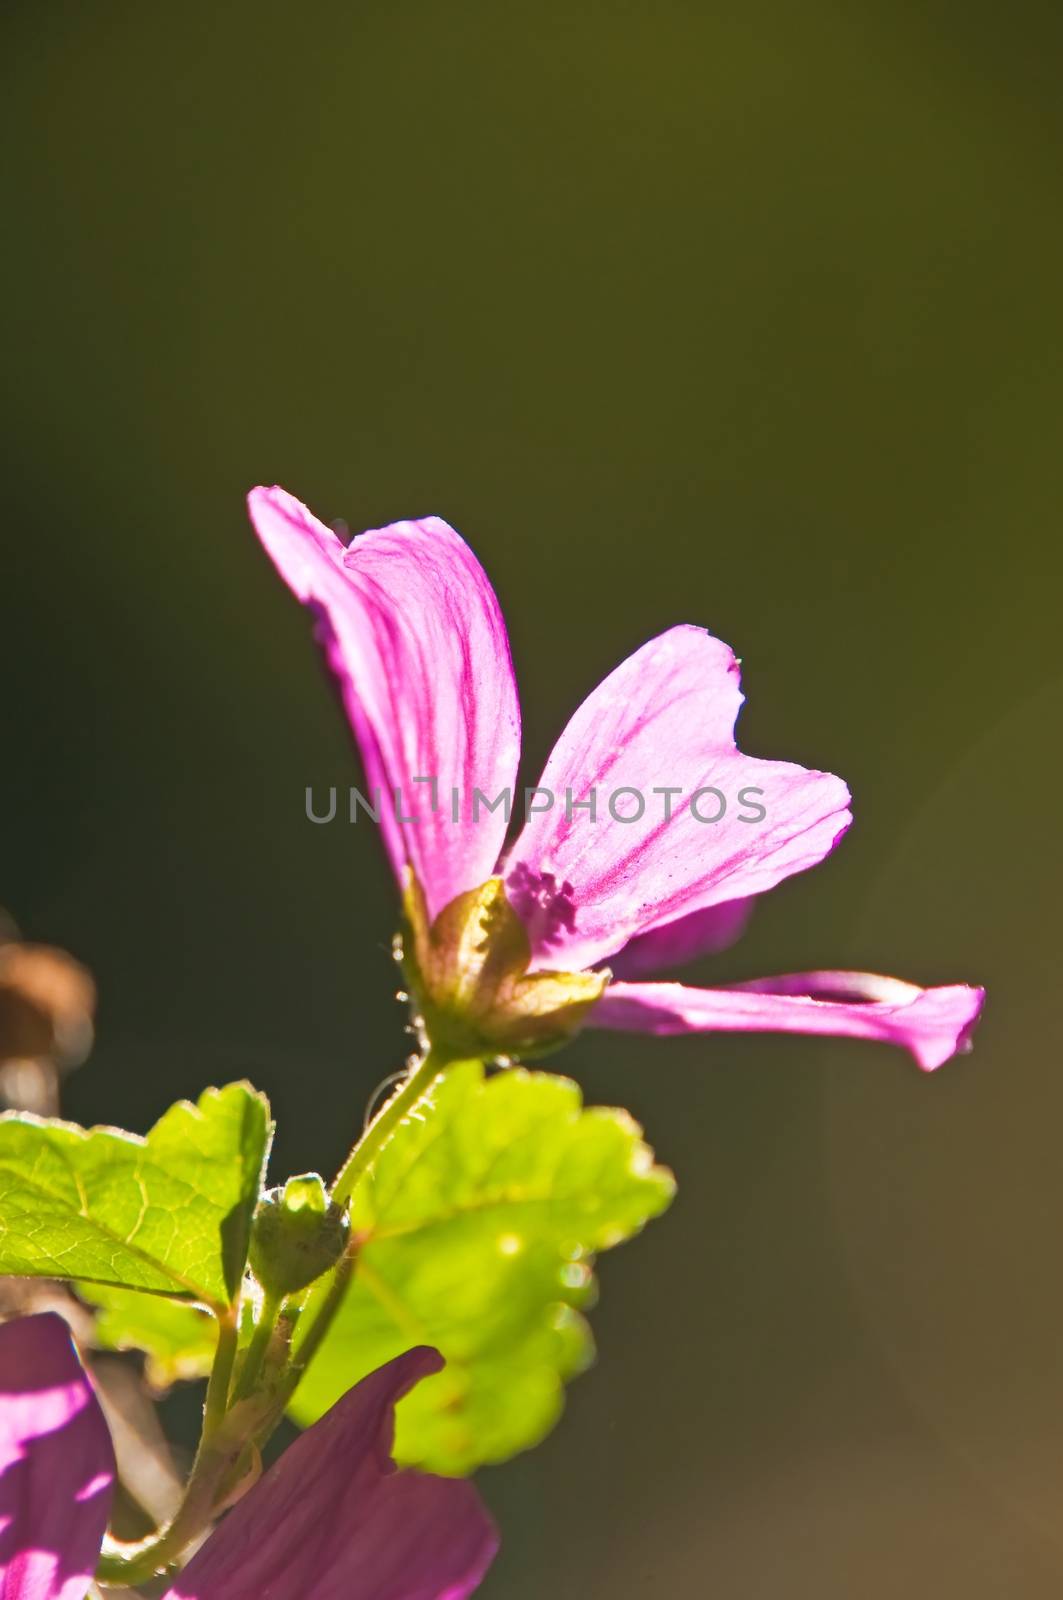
x,y
663,719
412,630
56,1464
933,1024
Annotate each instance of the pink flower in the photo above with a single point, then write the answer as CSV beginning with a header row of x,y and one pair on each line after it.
x,y
649,835
56,1464
331,1518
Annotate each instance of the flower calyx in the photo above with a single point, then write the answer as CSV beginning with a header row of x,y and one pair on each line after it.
x,y
469,984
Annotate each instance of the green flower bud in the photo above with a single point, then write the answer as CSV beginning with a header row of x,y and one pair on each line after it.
x,y
297,1234
469,982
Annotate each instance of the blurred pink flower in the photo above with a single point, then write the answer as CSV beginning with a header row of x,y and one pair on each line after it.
x,y
56,1464
413,633
332,1517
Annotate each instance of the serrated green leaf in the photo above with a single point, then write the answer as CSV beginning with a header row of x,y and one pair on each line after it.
x,y
178,1340
479,1224
169,1214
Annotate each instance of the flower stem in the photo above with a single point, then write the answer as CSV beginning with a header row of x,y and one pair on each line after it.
x,y
320,1320
217,1400
413,1089
132,1564
215,1459
234,1418
256,1350
383,1125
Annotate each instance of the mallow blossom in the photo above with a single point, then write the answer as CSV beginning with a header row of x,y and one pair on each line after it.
x,y
512,948
332,1517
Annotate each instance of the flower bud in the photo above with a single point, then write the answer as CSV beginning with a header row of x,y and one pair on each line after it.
x,y
297,1234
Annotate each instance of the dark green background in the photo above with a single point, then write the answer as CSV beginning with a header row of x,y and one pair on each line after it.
x,y
747,315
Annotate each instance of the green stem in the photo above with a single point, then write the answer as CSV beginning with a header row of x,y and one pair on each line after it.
x,y
215,1459
135,1564
384,1124
225,1433
321,1320
410,1092
256,1350
217,1400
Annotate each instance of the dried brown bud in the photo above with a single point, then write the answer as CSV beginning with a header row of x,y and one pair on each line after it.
x,y
47,1002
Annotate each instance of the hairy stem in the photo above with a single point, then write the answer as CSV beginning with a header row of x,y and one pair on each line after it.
x,y
383,1125
232,1420
319,1319
217,1400
256,1350
219,1450
133,1564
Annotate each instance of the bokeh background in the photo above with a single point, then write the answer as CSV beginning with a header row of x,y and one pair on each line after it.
x,y
747,315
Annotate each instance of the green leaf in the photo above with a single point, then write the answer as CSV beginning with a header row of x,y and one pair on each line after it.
x,y
178,1339
479,1223
169,1214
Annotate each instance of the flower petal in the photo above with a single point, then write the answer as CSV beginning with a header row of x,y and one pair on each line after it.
x,y
663,719
673,944
334,1519
56,1464
412,630
933,1024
